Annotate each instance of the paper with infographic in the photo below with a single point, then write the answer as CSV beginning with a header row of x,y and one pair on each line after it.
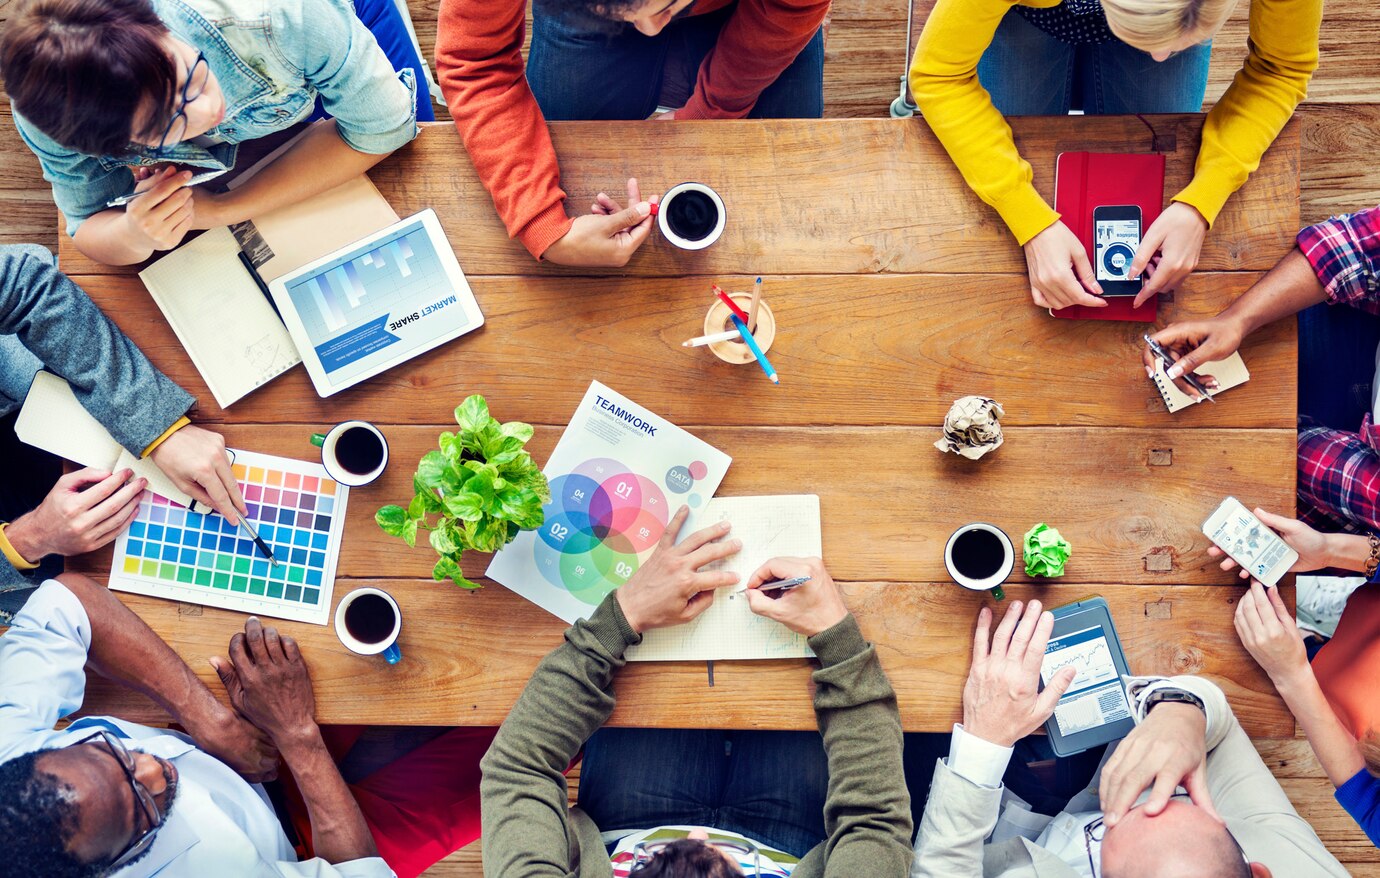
x,y
617,476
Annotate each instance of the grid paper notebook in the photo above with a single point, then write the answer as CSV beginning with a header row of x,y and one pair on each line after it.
x,y
171,552
768,526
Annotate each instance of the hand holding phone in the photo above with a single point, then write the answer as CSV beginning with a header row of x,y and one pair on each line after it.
x,y
1246,540
1116,238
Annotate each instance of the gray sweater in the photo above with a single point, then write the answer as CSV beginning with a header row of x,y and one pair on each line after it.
x,y
46,321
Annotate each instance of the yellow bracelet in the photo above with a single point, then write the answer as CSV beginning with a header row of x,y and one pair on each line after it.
x,y
11,553
177,425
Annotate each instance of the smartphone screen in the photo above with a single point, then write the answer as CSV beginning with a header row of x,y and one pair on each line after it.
x,y
1117,238
1248,542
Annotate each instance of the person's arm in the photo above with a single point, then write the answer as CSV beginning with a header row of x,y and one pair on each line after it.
x,y
867,813
760,40
1283,53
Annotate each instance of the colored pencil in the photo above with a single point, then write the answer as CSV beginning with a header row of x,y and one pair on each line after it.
x,y
756,351
732,305
699,341
752,308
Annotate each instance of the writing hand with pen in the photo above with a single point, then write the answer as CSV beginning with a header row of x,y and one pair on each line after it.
x,y
1190,345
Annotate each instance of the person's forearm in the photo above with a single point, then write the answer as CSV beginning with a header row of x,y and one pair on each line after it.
x,y
339,833
1287,289
318,162
1333,743
126,650
1348,551
107,238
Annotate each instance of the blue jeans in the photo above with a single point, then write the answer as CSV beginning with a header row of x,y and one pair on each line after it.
x,y
385,22
1030,73
768,786
581,74
1336,364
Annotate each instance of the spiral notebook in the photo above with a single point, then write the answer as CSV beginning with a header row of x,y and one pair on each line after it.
x,y
1229,373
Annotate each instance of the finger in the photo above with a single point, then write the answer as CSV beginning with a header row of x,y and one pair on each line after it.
x,y
1214,552
291,652
762,605
1197,786
627,219
1282,613
218,492
115,505
116,523
982,635
1039,639
698,603
1149,246
712,579
1039,298
85,476
706,536
1253,600
1165,784
162,211
150,181
227,478
1053,691
1278,522
273,645
98,493
714,551
1001,641
634,191
226,672
239,652
668,536
638,235
1025,629
1126,788
604,205
1084,270
778,568
254,637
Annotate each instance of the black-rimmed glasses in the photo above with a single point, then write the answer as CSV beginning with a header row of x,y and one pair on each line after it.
x,y
193,88
645,851
153,815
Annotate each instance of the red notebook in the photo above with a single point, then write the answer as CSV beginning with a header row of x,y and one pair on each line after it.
x,y
1087,180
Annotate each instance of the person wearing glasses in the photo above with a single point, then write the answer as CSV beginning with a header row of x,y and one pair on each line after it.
x,y
978,60
692,803
1232,820
48,322
135,97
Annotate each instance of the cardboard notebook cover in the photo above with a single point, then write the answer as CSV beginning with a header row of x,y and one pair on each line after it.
x,y
1084,181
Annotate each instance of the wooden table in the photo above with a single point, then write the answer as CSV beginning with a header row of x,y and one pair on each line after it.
x,y
896,291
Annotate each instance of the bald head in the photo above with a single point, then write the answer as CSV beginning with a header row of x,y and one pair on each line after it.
x,y
1183,841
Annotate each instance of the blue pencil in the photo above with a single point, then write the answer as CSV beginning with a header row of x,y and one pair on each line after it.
x,y
756,351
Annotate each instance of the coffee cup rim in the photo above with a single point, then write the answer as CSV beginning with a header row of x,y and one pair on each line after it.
x,y
996,579
353,644
664,224
344,477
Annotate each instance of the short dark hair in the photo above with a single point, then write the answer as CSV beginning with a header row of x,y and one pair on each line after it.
x,y
80,70
687,858
597,16
37,821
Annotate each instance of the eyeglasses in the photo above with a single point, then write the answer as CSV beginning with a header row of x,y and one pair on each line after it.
x,y
152,813
1095,830
193,88
645,851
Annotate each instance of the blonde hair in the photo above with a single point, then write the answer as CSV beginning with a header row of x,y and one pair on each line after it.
x,y
1370,751
1159,25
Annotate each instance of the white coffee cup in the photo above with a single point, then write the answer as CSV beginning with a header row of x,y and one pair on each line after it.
x,y
388,645
992,582
666,205
327,442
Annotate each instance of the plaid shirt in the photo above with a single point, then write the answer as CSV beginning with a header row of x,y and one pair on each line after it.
x,y
1339,472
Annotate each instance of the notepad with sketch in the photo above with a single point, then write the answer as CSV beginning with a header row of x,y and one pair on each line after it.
x,y
55,420
768,526
1229,373
225,323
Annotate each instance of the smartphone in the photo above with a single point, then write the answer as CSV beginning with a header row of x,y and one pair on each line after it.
x,y
1248,542
1116,238
1095,709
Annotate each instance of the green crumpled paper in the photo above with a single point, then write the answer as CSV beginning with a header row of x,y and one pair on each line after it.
x,y
1046,551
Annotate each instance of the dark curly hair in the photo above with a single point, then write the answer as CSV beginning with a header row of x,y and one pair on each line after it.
x,y
598,16
37,821
687,858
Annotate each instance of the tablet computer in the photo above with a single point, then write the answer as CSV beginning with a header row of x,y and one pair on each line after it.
x,y
1095,709
378,302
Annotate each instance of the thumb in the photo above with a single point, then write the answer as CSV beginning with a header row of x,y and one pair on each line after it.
x,y
1197,786
228,677
1278,522
1281,610
1049,699
626,219
1186,363
760,604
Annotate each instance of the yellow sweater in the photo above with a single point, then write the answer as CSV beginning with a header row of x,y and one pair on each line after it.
x,y
943,78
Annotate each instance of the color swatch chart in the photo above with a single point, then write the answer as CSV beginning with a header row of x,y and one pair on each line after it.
x,y
172,552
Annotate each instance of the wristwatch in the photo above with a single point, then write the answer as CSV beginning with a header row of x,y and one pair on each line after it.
x,y
1173,696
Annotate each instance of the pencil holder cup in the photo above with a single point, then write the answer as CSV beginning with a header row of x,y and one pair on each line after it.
x,y
735,351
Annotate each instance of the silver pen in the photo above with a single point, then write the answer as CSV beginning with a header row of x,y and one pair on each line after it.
x,y
781,586
197,179
1193,380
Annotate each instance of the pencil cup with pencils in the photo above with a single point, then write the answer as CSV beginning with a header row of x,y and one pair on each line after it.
x,y
740,328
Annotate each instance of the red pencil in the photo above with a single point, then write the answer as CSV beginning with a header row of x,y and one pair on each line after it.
x,y
732,305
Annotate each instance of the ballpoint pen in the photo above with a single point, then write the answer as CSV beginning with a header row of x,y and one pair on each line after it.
x,y
781,585
1193,380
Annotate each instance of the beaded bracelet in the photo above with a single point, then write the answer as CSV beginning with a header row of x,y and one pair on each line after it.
x,y
1373,562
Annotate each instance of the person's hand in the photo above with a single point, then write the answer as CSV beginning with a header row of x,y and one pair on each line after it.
x,y
160,219
1267,630
1176,236
608,235
1311,545
84,511
1060,274
237,742
1192,344
1166,751
268,683
806,609
671,588
196,461
1002,701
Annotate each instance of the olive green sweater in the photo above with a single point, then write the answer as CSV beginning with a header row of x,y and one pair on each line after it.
x,y
529,830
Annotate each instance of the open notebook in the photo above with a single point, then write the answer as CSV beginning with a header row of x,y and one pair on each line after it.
x,y
768,526
1229,373
53,419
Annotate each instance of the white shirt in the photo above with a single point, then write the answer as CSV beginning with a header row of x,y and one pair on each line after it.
x,y
219,824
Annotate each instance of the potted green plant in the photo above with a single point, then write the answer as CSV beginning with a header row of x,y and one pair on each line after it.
x,y
481,486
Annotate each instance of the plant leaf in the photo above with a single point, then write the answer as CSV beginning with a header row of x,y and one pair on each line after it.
x,y
467,506
473,414
391,519
448,567
432,468
442,539
518,430
409,532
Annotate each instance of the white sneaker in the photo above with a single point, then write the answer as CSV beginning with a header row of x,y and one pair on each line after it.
x,y
1321,600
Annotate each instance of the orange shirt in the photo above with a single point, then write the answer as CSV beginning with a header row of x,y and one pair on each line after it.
x,y
479,59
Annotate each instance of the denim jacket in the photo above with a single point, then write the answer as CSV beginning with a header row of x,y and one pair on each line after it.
x,y
273,59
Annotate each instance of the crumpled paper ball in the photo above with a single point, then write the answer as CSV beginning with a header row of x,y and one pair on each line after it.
x,y
973,427
1046,551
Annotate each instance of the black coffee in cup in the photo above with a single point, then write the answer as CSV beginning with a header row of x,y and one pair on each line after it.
x,y
692,215
370,619
359,450
978,554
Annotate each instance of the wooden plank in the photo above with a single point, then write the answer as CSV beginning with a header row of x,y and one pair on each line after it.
x,y
890,500
467,656
1313,798
1340,174
916,342
804,196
